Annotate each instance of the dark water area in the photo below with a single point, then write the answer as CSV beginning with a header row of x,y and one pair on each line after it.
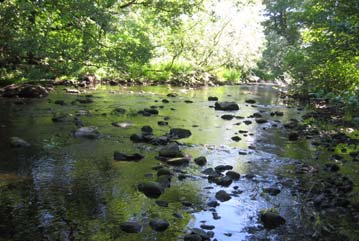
x,y
68,188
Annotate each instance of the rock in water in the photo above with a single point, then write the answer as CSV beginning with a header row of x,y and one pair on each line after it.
x,y
192,237
171,150
178,161
17,142
118,156
212,98
222,196
150,189
273,191
200,161
131,227
233,175
89,132
179,133
271,219
250,101
226,106
33,91
159,225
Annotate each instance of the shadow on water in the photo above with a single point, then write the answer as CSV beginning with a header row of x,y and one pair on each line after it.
x,y
65,188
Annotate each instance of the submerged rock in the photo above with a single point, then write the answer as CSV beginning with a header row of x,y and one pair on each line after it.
x,y
159,225
226,106
131,227
179,133
118,156
271,219
150,189
17,142
89,132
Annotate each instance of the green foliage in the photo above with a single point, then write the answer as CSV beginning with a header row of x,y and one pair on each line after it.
x,y
321,47
233,75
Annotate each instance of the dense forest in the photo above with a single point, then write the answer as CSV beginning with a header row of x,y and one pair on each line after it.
x,y
311,44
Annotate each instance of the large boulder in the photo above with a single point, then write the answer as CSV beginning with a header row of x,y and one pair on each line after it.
x,y
226,106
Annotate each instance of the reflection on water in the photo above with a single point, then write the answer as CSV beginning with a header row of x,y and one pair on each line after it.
x,y
64,188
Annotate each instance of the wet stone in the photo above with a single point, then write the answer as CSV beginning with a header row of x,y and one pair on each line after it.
x,y
179,133
273,191
222,181
131,227
226,106
164,171
118,156
233,175
178,161
200,161
227,117
250,101
213,204
247,122
150,189
89,132
261,121
192,237
207,227
212,98
162,123
147,130
170,150
271,219
221,168
222,196
159,225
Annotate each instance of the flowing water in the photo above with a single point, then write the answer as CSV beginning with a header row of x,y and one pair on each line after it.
x,y
67,188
